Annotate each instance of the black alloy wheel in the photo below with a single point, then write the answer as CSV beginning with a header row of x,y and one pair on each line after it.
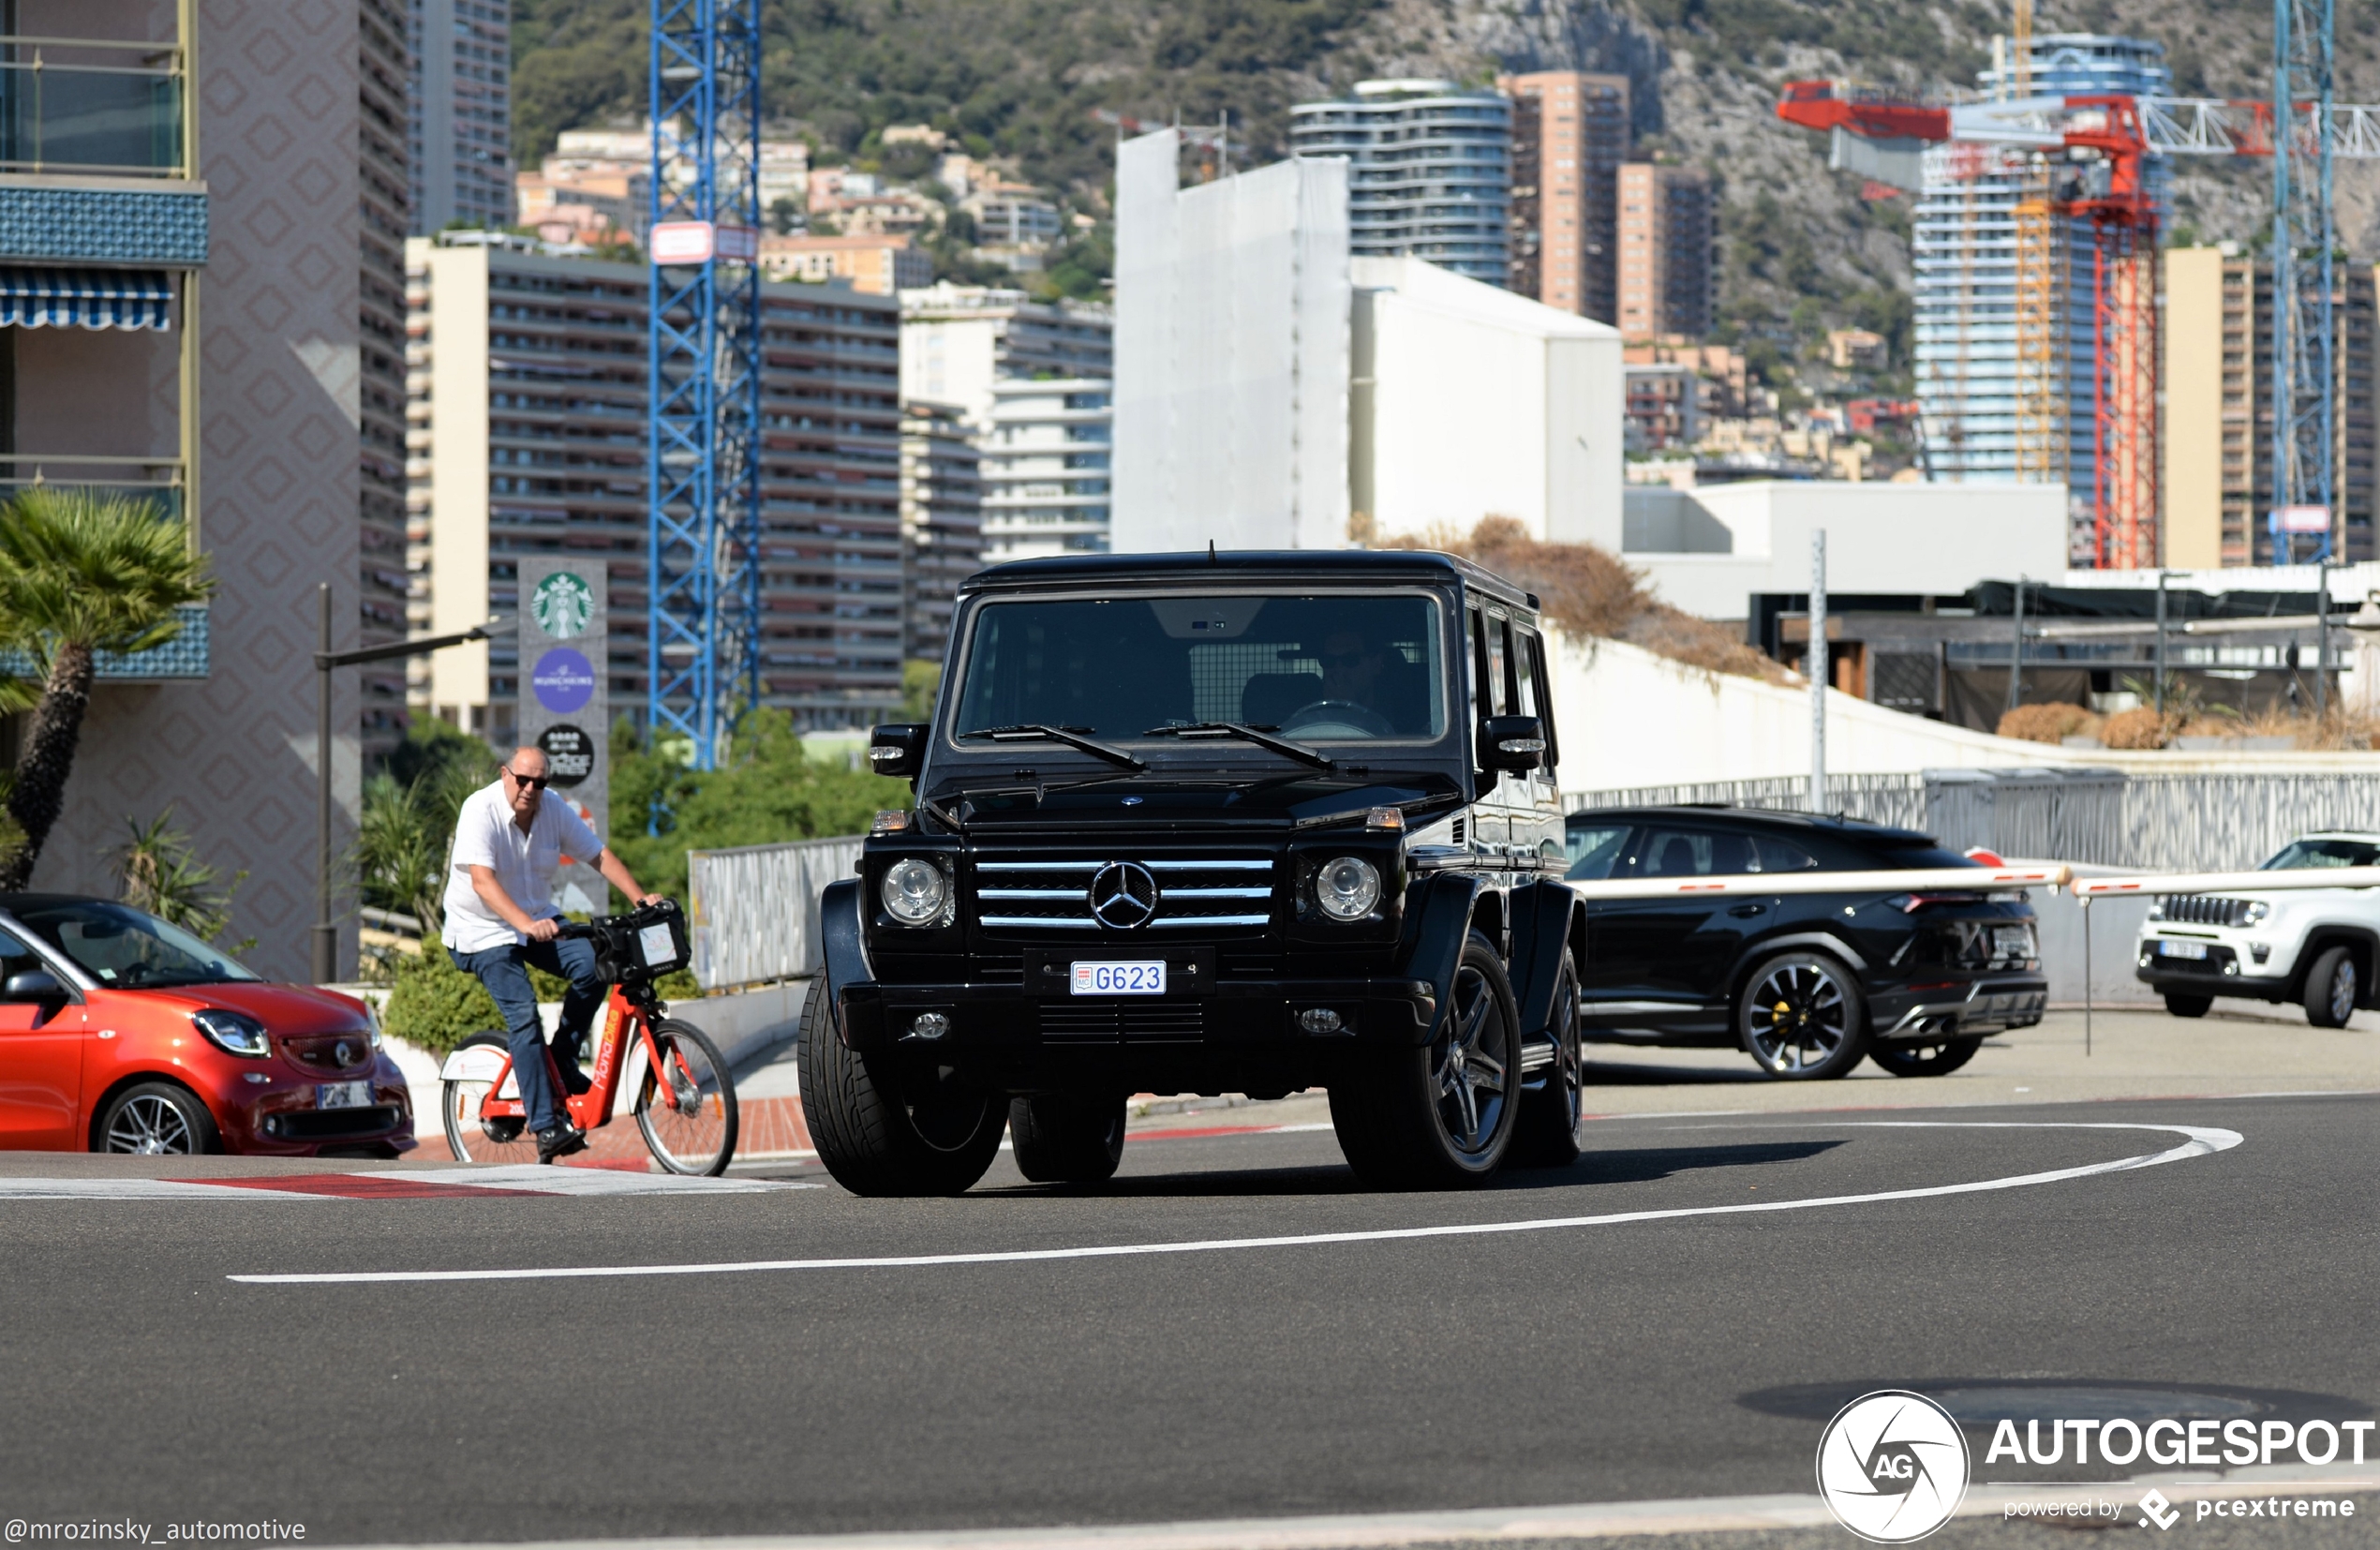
x,y
2332,989
1441,1116
1926,1060
1068,1137
2179,1005
1553,1102
1802,1018
882,1131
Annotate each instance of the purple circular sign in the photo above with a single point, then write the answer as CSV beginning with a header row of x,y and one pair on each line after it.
x,y
563,680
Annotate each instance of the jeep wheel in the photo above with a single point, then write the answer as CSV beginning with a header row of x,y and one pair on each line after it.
x,y
1926,1060
1440,1116
1068,1137
875,1136
1548,1133
2332,989
1801,1018
2179,1005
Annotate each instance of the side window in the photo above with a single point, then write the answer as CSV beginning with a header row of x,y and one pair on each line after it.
x,y
1500,665
1782,855
1482,694
1545,692
1671,853
15,956
1593,850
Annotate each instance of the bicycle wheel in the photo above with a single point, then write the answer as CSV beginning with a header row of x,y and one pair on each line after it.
x,y
687,1109
472,1139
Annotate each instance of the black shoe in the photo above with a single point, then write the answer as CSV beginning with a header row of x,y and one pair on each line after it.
x,y
576,1083
561,1141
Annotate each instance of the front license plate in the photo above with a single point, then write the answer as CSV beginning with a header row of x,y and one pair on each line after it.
x,y
343,1094
2012,942
2182,950
1141,978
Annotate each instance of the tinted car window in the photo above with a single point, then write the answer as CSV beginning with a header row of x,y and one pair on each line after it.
x,y
1776,855
126,949
2301,854
1593,850
1672,853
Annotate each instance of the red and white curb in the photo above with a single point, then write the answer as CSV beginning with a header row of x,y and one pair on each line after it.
x,y
389,1185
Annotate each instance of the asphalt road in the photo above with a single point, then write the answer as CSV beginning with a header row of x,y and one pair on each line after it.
x,y
1688,1357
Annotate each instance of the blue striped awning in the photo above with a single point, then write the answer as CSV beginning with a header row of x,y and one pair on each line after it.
x,y
85,298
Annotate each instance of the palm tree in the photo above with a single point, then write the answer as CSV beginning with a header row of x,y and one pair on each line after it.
x,y
81,572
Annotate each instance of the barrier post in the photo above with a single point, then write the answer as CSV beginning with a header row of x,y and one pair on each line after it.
x,y
1814,660
2085,901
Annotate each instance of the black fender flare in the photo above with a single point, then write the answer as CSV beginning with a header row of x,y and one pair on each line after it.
x,y
2339,933
1546,918
851,980
1437,921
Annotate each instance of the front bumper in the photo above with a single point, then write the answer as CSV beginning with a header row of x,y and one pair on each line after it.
x,y
1986,1005
1242,1017
287,1124
2226,970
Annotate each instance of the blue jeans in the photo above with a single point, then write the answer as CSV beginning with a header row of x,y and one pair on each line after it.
x,y
504,972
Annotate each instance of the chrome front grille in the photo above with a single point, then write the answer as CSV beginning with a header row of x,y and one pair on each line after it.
x,y
2202,909
1210,892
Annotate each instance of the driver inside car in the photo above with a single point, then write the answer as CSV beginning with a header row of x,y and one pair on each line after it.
x,y
1373,676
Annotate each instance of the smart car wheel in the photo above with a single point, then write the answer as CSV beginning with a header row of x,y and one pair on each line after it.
x,y
1801,1018
157,1118
881,1132
1926,1060
2331,988
1068,1137
1440,1116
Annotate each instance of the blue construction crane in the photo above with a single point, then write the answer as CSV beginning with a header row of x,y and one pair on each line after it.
x,y
703,373
2304,237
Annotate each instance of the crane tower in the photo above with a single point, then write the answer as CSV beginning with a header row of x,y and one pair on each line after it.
x,y
703,372
2304,236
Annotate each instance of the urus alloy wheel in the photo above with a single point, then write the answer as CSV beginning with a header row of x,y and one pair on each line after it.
x,y
1802,1018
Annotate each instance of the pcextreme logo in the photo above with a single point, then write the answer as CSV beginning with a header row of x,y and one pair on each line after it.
x,y
1891,1467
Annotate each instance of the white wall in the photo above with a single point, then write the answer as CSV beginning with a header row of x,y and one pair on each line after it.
x,y
1937,539
1231,354
1482,402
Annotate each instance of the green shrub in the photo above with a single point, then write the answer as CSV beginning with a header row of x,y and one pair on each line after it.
x,y
436,1006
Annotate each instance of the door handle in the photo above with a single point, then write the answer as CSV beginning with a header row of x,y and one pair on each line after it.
x,y
1747,910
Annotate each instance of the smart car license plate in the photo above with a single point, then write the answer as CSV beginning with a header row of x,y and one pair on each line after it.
x,y
1146,978
343,1094
2182,950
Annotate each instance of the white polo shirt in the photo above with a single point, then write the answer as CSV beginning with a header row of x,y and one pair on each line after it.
x,y
486,836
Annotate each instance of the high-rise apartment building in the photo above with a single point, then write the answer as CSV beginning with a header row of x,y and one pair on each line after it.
x,y
1667,221
942,541
384,182
1430,170
1965,262
2217,479
958,340
461,120
1570,132
1045,468
527,428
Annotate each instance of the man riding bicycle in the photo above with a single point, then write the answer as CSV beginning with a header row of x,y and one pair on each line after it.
x,y
510,839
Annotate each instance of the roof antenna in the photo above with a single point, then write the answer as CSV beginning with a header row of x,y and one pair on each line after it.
x,y
1210,558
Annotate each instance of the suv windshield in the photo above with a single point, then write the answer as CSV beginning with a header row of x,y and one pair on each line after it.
x,y
2300,854
1318,669
125,948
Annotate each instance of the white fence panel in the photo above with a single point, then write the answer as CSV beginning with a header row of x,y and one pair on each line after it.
x,y
755,908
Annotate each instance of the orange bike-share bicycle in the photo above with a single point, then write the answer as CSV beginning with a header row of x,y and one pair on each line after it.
x,y
685,1101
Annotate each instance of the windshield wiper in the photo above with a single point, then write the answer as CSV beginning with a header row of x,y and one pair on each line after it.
x,y
1261,737
1071,737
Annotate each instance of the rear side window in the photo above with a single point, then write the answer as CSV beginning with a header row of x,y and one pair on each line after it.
x,y
1593,850
1776,855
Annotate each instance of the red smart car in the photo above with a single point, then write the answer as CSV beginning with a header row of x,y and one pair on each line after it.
x,y
121,1032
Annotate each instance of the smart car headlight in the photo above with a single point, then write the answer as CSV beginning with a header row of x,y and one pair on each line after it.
x,y
233,1032
916,892
1347,887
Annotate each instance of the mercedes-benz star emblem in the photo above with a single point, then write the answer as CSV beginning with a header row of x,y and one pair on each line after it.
x,y
1122,895
342,1054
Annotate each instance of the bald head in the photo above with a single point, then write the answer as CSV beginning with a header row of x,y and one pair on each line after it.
x,y
524,782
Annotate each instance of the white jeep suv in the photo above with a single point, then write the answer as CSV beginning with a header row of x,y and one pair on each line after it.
x,y
2319,948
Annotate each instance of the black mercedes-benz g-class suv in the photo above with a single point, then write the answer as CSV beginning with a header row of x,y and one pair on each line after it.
x,y
1209,822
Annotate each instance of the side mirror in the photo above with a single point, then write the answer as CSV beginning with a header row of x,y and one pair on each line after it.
x,y
32,985
897,750
1511,742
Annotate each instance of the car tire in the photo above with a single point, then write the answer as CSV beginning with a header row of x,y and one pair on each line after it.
x,y
2333,987
875,1138
1801,1017
1440,1116
2178,1004
156,1118
1068,1137
1926,1060
1547,1134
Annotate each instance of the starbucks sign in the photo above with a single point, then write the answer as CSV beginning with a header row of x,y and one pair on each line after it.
x,y
563,605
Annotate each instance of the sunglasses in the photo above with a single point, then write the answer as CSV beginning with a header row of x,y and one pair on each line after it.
x,y
535,783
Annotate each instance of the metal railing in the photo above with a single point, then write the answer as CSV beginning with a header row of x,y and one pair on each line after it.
x,y
755,912
59,115
156,479
2157,823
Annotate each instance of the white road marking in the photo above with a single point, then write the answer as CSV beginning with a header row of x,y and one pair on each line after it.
x,y
2202,1140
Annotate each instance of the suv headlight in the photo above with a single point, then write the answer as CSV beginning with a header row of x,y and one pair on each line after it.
x,y
916,892
1347,887
233,1032
2257,909
2157,909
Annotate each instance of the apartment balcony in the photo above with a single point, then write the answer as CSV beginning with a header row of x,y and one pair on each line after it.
x,y
95,154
